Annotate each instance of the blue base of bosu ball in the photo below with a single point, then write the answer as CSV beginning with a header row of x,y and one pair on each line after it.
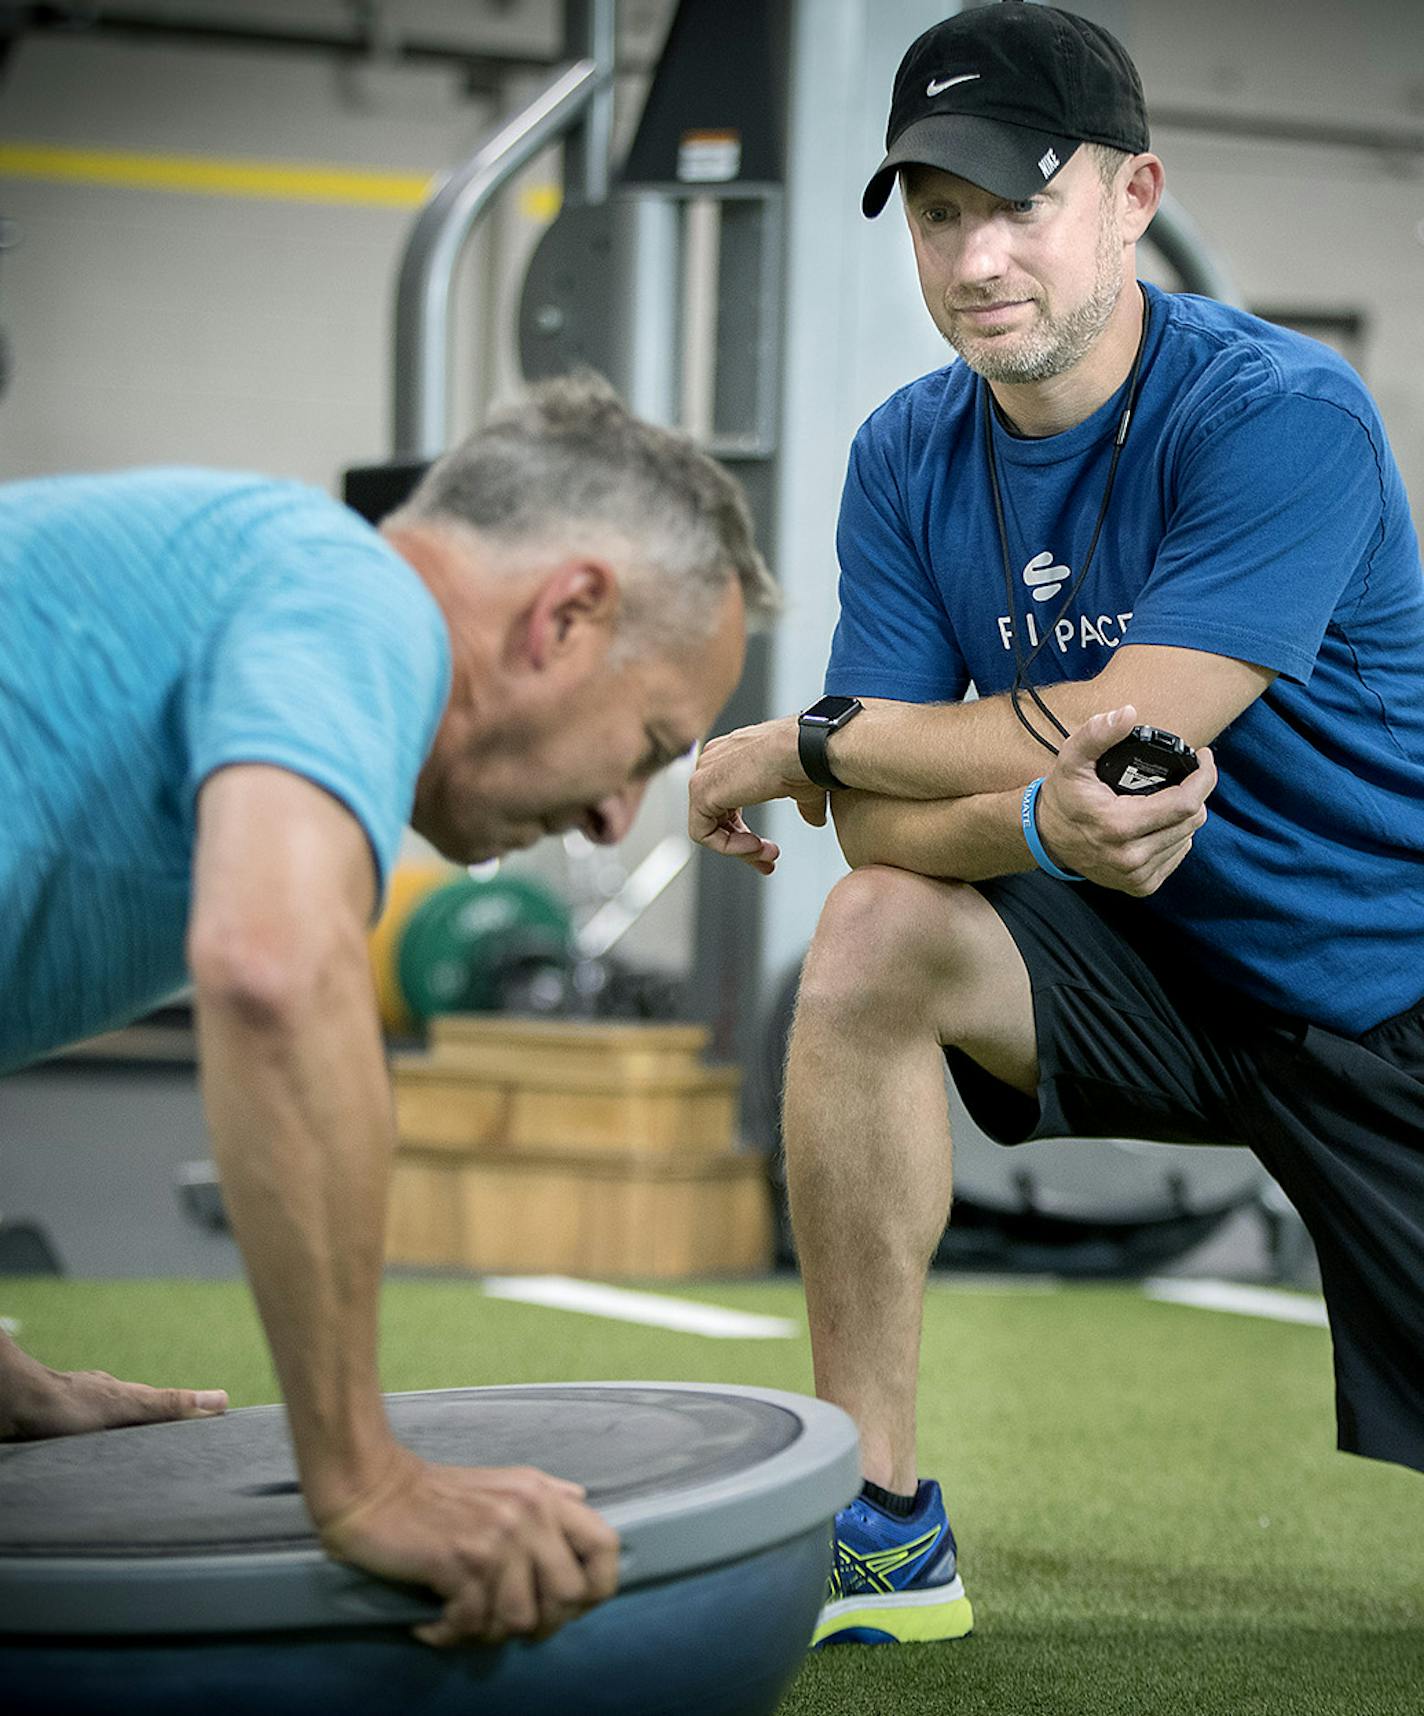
x,y
174,1564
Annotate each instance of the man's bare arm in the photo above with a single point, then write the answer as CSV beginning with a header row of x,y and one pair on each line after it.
x,y
297,1099
909,751
1131,845
929,753
963,839
300,1111
1190,692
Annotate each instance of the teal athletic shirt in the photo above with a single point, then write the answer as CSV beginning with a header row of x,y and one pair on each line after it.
x,y
156,626
1258,513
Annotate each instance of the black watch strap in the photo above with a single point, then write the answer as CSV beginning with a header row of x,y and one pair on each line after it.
x,y
813,734
812,747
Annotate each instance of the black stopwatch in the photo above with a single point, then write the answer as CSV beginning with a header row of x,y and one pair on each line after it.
x,y
1148,760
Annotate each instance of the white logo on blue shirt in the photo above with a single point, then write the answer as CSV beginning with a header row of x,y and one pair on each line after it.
x,y
1045,578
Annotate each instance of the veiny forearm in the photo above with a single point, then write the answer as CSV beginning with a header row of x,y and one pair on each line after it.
x,y
298,1102
952,750
964,839
955,750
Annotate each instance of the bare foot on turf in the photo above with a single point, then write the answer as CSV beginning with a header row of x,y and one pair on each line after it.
x,y
36,1401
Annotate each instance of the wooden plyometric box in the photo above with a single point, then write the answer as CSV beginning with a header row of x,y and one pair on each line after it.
x,y
562,1051
683,1111
632,1213
512,1084
588,1149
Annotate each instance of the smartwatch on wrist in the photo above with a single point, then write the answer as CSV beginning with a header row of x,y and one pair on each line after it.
x,y
813,732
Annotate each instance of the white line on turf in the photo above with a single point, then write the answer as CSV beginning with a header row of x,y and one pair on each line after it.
x,y
1284,1307
562,1293
10,1325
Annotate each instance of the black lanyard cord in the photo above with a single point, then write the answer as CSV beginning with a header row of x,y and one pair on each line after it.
x,y
1022,665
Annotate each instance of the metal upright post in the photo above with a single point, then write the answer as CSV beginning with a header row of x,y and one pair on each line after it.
x,y
582,92
590,33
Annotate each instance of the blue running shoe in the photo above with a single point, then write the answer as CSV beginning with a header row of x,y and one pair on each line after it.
x,y
894,1581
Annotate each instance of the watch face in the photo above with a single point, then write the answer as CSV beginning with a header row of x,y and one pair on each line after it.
x,y
829,710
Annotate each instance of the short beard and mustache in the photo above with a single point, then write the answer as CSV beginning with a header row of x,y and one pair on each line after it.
x,y
1056,343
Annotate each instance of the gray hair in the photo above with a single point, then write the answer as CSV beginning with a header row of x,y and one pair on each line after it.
x,y
1108,161
570,464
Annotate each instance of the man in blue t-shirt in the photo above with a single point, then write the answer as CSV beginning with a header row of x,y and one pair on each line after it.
x,y
1120,507
222,699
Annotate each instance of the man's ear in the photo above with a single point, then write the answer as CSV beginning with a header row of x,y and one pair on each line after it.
x,y
1141,196
573,609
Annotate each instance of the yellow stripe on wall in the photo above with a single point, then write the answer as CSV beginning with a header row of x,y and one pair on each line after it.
x,y
198,176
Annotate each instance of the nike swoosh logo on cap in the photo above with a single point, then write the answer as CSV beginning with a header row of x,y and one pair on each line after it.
x,y
938,85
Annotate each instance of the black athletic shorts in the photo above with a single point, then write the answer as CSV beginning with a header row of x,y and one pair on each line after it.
x,y
1130,1045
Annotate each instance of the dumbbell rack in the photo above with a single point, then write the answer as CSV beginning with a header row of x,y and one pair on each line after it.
x,y
582,1148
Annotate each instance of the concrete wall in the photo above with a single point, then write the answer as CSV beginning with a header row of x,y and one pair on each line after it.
x,y
150,326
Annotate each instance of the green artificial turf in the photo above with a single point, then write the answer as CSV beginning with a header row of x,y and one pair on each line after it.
x,y
1151,1514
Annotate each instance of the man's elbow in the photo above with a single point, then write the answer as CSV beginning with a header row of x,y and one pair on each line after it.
x,y
269,978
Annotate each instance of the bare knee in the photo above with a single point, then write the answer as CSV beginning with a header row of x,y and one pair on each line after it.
x,y
897,953
888,939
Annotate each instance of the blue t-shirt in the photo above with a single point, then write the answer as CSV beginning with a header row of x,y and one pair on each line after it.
x,y
1258,513
156,626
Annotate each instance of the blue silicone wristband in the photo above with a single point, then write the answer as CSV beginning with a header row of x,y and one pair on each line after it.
x,y
1029,813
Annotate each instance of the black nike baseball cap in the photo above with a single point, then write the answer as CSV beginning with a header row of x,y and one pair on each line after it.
x,y
1004,95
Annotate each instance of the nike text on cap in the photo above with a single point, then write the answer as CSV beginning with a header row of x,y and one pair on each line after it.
x,y
1003,95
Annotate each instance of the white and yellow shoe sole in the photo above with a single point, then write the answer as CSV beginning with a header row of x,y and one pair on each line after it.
x,y
905,1617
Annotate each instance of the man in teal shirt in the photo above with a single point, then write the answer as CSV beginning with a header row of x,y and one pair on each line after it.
x,y
221,701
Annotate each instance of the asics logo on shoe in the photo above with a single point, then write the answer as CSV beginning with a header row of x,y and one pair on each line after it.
x,y
874,1571
938,85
